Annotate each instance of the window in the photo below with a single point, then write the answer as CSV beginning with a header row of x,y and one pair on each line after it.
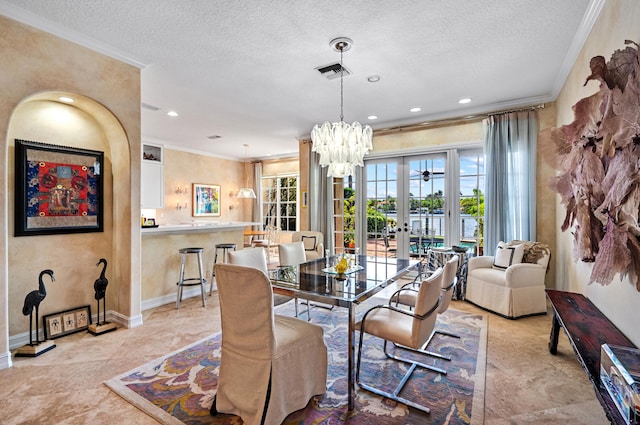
x,y
280,202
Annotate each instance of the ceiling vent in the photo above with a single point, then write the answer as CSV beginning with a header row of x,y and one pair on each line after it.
x,y
332,71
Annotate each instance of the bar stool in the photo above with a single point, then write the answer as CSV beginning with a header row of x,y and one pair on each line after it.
x,y
192,281
225,247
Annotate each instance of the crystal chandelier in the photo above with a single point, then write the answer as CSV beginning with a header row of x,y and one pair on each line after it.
x,y
341,146
246,192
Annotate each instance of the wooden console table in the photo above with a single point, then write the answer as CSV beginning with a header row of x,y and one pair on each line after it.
x,y
587,329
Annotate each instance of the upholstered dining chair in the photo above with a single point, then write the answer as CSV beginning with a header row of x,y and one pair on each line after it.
x,y
256,258
408,296
405,328
270,365
292,254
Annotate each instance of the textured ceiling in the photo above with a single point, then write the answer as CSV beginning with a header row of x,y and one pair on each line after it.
x,y
244,69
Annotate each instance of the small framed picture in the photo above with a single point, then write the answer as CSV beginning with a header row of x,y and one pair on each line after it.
x,y
206,200
69,321
55,325
66,322
305,199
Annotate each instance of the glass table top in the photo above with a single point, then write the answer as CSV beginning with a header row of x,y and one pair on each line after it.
x,y
367,274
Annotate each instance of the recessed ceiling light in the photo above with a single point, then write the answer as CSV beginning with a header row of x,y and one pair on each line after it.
x,y
373,78
66,99
372,117
415,109
464,100
172,113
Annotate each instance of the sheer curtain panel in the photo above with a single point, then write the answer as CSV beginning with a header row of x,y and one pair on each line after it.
x,y
510,194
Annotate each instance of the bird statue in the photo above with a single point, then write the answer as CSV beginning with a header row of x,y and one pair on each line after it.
x,y
33,300
100,286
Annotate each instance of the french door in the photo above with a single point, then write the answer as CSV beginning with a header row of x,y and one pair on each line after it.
x,y
417,202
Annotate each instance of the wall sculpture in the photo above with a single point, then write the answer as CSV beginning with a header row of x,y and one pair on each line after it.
x,y
597,157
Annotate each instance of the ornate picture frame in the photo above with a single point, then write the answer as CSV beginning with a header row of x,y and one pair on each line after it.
x,y
206,200
66,322
58,189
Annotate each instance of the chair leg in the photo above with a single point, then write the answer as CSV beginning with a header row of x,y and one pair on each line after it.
x,y
423,349
308,309
394,395
419,351
214,410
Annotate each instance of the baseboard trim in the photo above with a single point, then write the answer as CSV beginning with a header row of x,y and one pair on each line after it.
x,y
5,360
171,298
17,341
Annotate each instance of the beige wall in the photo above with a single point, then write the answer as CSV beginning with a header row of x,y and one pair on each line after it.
x,y
619,301
185,168
36,68
160,258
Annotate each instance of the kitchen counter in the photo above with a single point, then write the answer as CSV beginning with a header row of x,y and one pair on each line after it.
x,y
196,227
160,260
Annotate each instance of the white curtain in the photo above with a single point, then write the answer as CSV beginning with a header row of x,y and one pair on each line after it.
x,y
510,187
256,215
320,200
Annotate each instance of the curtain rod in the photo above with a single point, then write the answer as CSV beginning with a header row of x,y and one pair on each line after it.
x,y
450,121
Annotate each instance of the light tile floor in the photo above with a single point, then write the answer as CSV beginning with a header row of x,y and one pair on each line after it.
x,y
524,383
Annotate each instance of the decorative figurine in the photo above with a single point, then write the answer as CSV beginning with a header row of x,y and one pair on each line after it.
x,y
100,288
32,301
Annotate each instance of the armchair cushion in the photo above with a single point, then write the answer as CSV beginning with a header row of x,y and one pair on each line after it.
x,y
309,243
508,254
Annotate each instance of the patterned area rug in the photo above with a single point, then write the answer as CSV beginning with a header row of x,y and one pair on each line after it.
x,y
179,387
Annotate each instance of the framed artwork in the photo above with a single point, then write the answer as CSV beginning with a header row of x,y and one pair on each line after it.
x,y
305,199
66,322
58,189
206,200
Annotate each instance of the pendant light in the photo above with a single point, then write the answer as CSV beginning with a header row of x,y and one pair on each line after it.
x,y
246,192
341,146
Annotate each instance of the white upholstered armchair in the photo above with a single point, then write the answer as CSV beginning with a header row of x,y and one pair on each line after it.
x,y
511,283
313,243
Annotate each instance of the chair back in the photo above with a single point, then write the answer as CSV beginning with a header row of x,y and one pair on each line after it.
x,y
241,288
449,282
249,257
292,254
311,239
427,303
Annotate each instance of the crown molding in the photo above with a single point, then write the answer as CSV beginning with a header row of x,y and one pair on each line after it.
x,y
586,25
38,22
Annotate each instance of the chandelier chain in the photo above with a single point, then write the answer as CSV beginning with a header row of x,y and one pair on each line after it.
x,y
341,86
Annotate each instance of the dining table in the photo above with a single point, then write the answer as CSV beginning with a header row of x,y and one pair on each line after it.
x,y
319,281
249,235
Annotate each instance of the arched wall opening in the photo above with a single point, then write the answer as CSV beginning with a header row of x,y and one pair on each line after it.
x,y
85,123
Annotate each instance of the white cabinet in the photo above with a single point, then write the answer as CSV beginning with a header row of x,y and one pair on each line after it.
x,y
152,181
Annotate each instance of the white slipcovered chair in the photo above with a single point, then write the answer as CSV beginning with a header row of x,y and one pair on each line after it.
x,y
270,365
256,258
411,329
511,283
292,254
313,243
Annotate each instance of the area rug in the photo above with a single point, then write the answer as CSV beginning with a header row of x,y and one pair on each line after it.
x,y
178,388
